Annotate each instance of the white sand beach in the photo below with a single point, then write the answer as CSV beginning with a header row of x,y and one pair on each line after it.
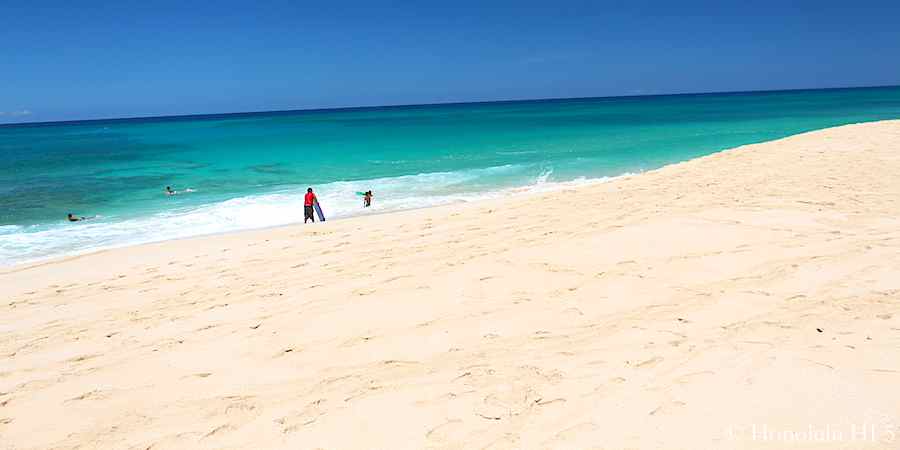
x,y
740,300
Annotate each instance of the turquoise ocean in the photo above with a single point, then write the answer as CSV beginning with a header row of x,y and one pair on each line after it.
x,y
251,170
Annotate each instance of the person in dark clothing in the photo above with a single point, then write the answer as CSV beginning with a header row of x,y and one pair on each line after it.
x,y
73,218
367,199
308,201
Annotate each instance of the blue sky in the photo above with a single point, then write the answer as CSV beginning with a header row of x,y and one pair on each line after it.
x,y
64,60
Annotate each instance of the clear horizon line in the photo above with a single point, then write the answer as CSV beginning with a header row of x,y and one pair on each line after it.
x,y
413,105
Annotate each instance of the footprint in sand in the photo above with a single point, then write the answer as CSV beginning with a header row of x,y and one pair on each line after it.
x,y
82,358
356,341
447,431
96,394
219,430
508,402
667,407
648,363
201,374
299,419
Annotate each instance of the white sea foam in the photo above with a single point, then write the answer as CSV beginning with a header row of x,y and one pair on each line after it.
x,y
10,229
543,177
338,199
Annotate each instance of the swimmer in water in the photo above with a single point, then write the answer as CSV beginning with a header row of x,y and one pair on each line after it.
x,y
73,218
170,191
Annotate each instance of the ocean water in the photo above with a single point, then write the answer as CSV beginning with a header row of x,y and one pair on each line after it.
x,y
250,170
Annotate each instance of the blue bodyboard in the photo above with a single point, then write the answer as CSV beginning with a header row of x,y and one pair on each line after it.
x,y
319,211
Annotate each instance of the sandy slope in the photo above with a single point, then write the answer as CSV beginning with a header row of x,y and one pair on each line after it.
x,y
674,309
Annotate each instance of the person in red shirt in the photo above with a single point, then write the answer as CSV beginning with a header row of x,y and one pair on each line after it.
x,y
308,201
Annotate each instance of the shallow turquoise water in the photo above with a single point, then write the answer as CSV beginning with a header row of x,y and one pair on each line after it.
x,y
249,170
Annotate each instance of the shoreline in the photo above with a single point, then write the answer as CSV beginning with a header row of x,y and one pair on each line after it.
x,y
498,195
753,288
505,193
